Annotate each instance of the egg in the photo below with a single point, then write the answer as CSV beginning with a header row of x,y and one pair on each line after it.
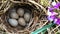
x,y
27,16
22,21
14,15
20,11
13,22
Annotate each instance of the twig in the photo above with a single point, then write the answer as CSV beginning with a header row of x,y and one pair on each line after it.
x,y
30,23
3,3
15,1
55,28
35,21
5,9
43,24
38,5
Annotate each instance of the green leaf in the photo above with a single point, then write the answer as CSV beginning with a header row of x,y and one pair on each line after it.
x,y
43,32
42,29
58,33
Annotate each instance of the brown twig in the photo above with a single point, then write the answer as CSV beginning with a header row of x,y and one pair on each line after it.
x,y
38,5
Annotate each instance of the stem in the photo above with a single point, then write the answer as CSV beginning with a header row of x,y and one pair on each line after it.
x,y
42,29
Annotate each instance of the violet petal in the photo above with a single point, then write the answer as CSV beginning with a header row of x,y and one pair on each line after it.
x,y
51,18
58,3
57,21
51,13
56,6
51,9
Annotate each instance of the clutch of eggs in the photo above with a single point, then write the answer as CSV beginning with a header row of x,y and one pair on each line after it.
x,y
20,20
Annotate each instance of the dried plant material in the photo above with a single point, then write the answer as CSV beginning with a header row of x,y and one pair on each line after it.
x,y
44,2
38,18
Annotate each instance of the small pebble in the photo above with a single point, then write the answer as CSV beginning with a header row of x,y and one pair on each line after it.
x,y
13,22
14,15
22,21
20,11
27,16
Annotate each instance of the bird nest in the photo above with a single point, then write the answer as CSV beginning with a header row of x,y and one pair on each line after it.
x,y
38,17
29,7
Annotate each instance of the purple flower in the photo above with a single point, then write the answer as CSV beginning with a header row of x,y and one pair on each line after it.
x,y
51,18
54,13
51,13
57,5
57,21
51,9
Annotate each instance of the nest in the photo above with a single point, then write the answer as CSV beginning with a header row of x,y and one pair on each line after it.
x,y
33,8
38,19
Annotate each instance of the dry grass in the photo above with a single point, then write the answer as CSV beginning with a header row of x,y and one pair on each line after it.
x,y
39,20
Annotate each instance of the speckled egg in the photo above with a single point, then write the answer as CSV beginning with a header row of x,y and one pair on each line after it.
x,y
20,11
14,15
13,22
27,16
22,21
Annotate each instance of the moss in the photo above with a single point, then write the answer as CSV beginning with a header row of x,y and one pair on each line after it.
x,y
58,33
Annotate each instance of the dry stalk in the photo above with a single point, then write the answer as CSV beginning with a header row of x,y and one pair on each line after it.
x,y
40,26
55,28
35,21
2,26
5,9
38,5
15,1
30,23
3,3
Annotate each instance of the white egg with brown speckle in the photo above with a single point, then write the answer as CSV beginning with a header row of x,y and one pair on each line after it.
x,y
14,15
13,22
27,16
22,21
20,11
